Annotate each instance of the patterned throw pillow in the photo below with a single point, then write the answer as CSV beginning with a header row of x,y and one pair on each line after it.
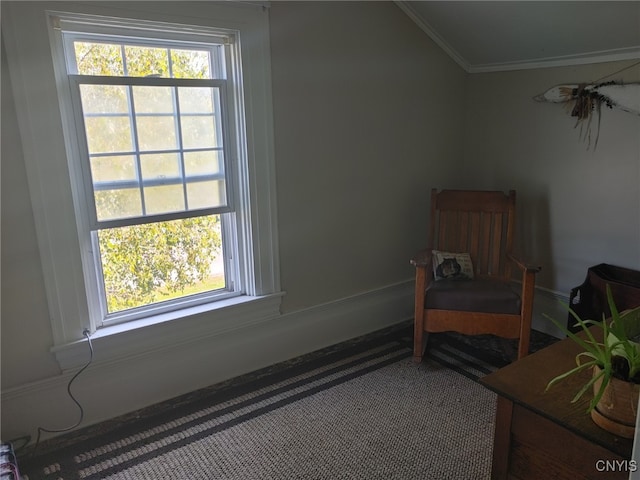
x,y
452,265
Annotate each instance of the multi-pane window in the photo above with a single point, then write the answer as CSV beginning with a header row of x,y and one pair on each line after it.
x,y
174,226
154,157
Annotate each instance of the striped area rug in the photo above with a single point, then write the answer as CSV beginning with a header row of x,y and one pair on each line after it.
x,y
359,410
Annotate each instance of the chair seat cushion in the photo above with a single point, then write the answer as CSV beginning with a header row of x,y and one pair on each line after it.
x,y
478,295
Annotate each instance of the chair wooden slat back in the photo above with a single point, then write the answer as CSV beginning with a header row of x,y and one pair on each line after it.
x,y
477,222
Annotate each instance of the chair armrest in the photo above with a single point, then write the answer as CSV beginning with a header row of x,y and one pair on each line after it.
x,y
422,258
424,276
526,267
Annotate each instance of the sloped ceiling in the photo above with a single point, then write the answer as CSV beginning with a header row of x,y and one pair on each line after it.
x,y
507,35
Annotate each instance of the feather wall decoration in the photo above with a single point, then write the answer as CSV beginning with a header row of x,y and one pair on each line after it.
x,y
584,100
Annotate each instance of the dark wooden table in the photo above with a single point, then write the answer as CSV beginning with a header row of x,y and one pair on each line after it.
x,y
544,435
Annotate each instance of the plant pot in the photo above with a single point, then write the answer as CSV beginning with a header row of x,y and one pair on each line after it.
x,y
617,409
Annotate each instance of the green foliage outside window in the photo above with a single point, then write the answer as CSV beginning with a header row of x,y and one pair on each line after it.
x,y
149,263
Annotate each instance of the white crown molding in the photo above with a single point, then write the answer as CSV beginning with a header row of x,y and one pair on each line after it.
x,y
426,28
630,53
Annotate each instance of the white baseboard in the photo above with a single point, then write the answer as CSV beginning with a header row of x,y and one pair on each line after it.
x,y
111,388
551,303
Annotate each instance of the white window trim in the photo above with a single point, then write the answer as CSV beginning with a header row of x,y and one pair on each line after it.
x,y
26,36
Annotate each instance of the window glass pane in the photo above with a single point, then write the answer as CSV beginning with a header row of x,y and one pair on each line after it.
x,y
196,100
198,131
206,194
107,134
164,199
146,61
98,59
120,203
113,168
104,99
208,162
151,263
153,100
156,133
163,165
190,64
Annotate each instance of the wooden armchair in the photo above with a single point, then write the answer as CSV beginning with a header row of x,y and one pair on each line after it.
x,y
480,224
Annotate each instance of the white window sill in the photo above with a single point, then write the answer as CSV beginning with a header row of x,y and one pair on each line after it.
x,y
138,337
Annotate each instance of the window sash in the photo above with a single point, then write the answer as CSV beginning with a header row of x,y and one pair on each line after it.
x,y
72,24
216,51
231,290
139,182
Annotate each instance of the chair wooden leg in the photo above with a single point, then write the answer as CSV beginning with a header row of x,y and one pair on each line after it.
x,y
419,349
417,341
419,338
526,313
523,344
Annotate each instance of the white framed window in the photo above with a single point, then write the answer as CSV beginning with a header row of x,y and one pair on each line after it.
x,y
153,132
156,152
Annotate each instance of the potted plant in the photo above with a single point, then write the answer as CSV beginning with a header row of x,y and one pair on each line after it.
x,y
615,362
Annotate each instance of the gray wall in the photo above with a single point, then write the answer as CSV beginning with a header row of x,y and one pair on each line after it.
x,y
367,118
367,115
26,332
579,205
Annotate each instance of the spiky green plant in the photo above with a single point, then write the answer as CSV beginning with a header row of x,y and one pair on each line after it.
x,y
618,355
